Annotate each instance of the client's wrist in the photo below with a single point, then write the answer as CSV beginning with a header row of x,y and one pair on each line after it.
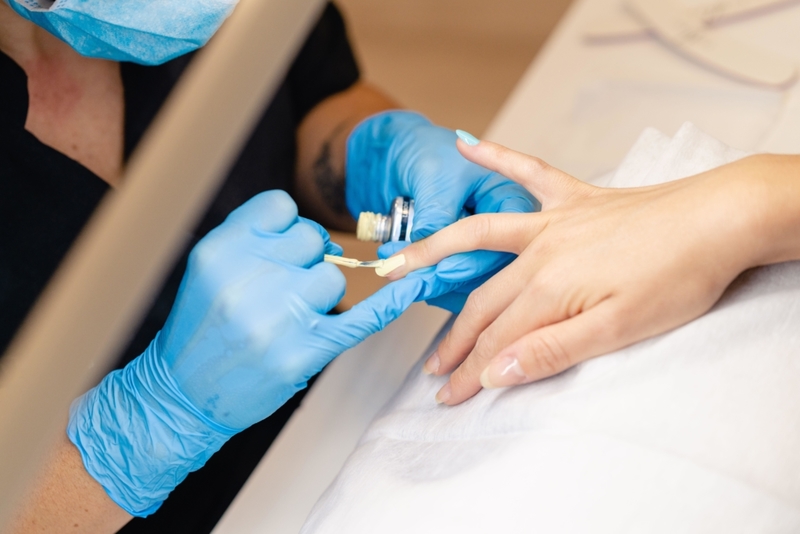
x,y
139,436
773,214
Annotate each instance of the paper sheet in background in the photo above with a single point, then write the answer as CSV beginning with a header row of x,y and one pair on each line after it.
x,y
696,430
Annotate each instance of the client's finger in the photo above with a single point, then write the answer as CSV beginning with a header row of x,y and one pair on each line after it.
x,y
502,232
483,306
532,307
548,184
555,348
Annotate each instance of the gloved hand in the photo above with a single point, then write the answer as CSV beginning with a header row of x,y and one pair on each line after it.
x,y
401,153
247,331
448,284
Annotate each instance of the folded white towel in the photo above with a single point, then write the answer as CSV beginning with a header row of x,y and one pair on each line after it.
x,y
696,430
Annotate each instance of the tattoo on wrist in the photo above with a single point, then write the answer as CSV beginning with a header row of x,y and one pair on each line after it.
x,y
331,181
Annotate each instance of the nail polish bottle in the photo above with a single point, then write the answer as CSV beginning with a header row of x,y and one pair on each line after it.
x,y
384,228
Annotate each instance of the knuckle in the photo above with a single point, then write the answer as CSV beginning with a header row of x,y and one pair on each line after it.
x,y
542,286
481,230
294,371
464,378
484,343
534,165
447,346
422,250
277,200
549,355
476,305
202,255
451,351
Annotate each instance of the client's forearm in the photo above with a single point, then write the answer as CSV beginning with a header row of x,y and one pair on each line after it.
x,y
66,499
321,146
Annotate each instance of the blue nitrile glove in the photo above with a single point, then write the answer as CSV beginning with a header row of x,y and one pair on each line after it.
x,y
448,284
401,153
247,331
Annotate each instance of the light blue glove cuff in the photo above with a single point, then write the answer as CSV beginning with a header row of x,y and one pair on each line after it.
x,y
139,436
370,157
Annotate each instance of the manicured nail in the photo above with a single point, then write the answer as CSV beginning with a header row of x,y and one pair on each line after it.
x,y
467,137
444,394
502,372
432,365
390,265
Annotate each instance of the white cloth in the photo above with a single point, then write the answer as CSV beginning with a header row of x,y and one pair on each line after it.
x,y
696,430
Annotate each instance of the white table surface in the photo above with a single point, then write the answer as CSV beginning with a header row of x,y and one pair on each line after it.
x,y
580,107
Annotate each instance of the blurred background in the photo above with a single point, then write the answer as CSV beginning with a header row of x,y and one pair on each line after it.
x,y
455,61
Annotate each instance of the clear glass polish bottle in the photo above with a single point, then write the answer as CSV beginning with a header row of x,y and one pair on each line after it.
x,y
384,228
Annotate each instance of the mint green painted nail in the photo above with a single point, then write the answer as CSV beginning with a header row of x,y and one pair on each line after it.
x,y
467,137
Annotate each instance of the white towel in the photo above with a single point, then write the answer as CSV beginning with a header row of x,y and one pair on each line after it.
x,y
696,430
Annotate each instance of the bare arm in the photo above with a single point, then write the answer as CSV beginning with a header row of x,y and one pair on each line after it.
x,y
66,499
321,145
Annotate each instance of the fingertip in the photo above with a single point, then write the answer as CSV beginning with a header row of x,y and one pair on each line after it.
x,y
334,249
396,267
330,273
270,212
467,138
309,242
503,371
444,394
326,287
391,248
457,391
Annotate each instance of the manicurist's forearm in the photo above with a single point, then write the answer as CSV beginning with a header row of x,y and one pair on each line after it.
x,y
321,146
66,499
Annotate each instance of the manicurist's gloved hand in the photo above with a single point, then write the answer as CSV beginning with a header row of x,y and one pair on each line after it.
x,y
401,153
247,331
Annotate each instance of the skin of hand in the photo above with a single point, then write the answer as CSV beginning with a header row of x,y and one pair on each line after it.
x,y
599,269
66,499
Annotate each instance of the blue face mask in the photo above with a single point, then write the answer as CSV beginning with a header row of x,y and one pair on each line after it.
x,y
149,32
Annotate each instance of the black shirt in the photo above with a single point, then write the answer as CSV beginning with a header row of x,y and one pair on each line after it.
x,y
46,198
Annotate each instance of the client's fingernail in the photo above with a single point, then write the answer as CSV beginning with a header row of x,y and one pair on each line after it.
x,y
390,265
432,365
502,372
444,394
467,137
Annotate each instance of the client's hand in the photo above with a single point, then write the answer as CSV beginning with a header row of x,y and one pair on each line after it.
x,y
398,153
249,327
600,269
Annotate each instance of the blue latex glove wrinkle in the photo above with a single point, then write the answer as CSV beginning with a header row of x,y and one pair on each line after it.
x,y
401,153
149,32
247,331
